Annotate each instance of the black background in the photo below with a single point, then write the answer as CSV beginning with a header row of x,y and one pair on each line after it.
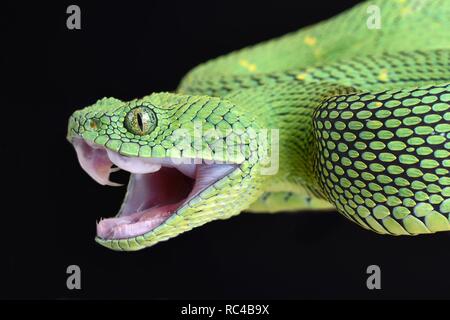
x,y
49,205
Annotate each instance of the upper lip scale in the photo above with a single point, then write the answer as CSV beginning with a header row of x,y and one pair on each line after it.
x,y
149,165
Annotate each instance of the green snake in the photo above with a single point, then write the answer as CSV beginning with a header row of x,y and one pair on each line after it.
x,y
351,114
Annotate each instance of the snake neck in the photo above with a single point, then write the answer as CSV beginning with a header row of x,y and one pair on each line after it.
x,y
287,113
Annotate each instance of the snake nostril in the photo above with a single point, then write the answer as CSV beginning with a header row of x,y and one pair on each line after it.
x,y
92,124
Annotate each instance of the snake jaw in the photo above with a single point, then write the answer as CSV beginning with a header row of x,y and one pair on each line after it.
x,y
158,187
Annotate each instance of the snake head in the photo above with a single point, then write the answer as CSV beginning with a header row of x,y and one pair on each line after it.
x,y
192,159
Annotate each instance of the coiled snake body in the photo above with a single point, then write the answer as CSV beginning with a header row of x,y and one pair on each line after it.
x,y
360,116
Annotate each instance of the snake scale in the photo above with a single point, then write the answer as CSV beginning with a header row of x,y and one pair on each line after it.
x,y
360,118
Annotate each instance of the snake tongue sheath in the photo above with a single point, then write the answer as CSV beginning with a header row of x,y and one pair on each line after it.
x,y
157,188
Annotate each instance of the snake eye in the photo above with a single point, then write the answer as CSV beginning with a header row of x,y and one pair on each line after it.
x,y
140,120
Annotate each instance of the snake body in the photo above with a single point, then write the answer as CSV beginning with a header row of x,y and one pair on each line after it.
x,y
362,117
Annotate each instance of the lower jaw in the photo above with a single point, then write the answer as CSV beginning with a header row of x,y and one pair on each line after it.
x,y
151,199
137,223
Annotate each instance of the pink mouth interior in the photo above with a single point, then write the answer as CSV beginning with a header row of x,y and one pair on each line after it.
x,y
157,187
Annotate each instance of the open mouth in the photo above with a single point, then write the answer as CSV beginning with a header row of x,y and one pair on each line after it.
x,y
157,189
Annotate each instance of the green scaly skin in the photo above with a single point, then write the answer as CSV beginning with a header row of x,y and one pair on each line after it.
x,y
363,117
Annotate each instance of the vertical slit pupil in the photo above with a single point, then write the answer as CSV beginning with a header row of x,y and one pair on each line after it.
x,y
139,121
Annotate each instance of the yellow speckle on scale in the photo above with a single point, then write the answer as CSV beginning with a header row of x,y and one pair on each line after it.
x,y
302,76
401,1
247,65
378,104
405,11
310,41
318,53
383,76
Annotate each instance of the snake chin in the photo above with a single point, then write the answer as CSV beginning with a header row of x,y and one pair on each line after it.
x,y
157,189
